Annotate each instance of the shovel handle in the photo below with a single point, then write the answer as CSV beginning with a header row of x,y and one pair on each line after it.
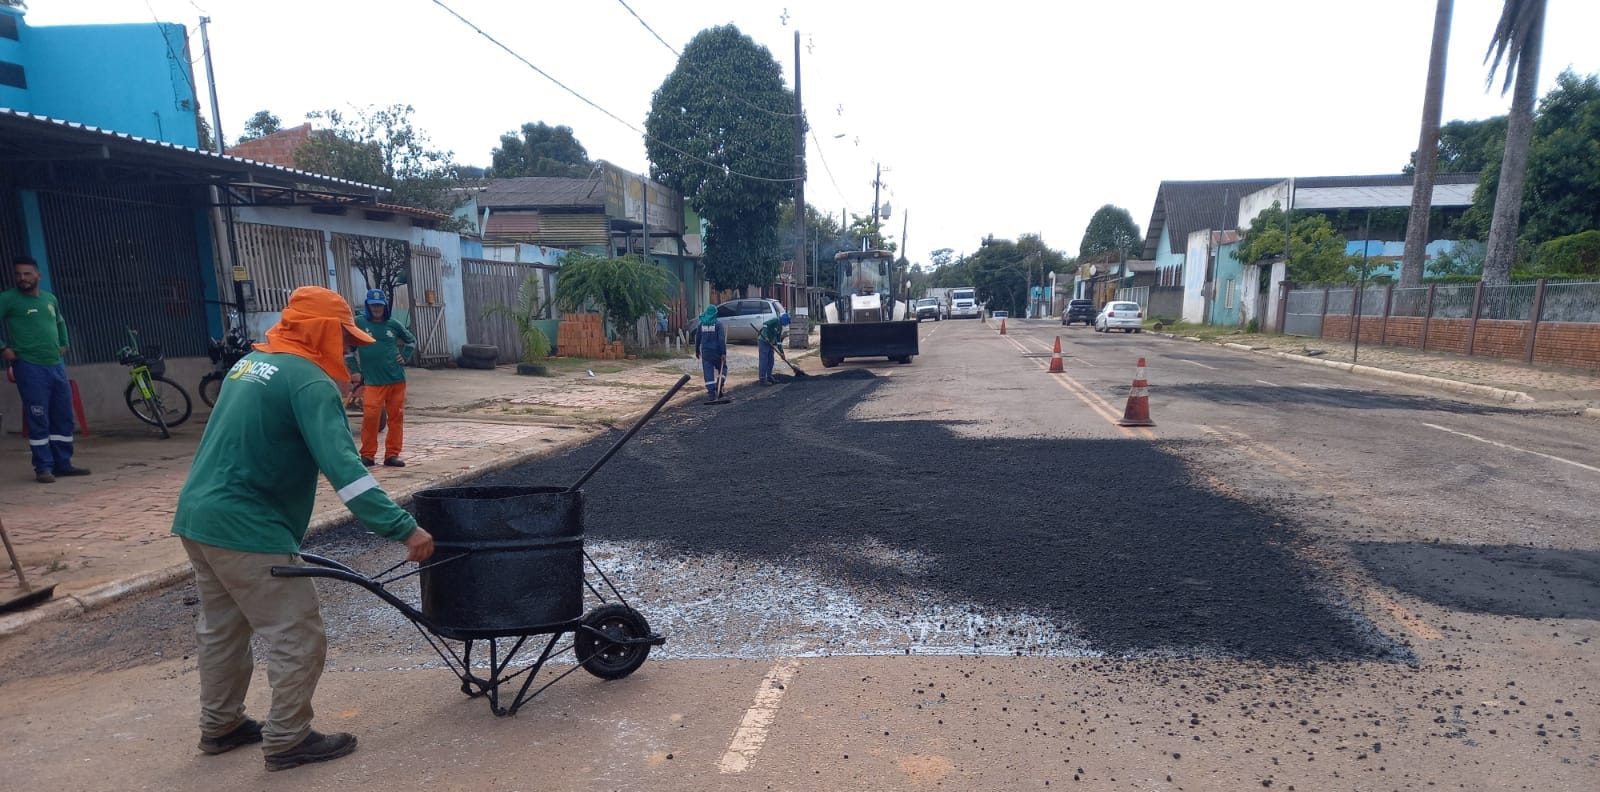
x,y
16,565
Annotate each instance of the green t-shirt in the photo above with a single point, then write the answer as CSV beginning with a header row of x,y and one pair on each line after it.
x,y
376,361
32,326
772,331
278,421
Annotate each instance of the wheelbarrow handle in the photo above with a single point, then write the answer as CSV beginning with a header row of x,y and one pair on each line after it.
x,y
326,568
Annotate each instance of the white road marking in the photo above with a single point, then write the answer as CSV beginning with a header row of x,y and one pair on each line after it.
x,y
1269,384
752,731
1197,363
1498,444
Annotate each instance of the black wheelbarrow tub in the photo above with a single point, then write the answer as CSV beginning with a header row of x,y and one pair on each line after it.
x,y
507,561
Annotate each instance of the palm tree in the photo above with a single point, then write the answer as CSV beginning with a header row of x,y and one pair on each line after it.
x,y
1517,41
1427,151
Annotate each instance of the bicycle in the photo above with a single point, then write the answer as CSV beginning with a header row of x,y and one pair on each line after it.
x,y
151,397
224,352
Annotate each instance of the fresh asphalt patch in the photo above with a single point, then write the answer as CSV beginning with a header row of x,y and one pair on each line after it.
x,y
1289,396
781,515
1504,580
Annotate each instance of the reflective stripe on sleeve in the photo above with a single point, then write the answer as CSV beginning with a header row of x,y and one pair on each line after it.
x,y
354,489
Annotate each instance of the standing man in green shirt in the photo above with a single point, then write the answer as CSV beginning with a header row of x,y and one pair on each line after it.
x,y
33,341
245,508
381,365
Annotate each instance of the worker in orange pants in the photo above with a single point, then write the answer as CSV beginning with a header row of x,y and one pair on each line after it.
x,y
383,376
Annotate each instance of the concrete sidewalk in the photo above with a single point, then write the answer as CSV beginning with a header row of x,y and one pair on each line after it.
x,y
106,536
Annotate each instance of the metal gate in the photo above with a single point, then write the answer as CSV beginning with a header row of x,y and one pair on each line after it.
x,y
490,283
126,257
1303,314
424,295
279,260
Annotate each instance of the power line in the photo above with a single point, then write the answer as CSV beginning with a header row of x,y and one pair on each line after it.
x,y
727,93
824,158
586,100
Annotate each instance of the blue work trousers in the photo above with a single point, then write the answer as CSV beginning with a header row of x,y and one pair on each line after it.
x,y
47,411
708,367
764,370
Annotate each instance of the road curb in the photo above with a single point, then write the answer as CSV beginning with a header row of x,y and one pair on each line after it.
x,y
1467,388
1592,412
108,594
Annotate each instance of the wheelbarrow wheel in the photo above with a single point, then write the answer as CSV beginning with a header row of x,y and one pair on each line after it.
x,y
609,660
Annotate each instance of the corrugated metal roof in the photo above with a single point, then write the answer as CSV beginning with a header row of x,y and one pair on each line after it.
x,y
505,223
30,124
1380,197
554,229
539,192
1183,207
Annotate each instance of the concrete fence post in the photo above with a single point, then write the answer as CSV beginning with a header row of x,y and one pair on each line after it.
x,y
1322,326
1472,326
1388,303
1533,319
1427,315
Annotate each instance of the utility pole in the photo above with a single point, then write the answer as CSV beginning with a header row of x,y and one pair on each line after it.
x,y
877,182
239,273
798,338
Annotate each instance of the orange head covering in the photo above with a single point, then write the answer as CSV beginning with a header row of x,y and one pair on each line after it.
x,y
314,326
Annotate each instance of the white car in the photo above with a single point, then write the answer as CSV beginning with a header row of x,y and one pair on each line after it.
x,y
1125,316
744,318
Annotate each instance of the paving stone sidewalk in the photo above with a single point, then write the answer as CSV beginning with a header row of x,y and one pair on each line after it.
x,y
1544,383
87,534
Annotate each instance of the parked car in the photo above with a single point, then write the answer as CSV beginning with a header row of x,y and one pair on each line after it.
x,y
743,318
1125,316
1078,311
928,308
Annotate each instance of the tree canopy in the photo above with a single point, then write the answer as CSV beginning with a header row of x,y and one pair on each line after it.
x,y
826,237
1112,235
540,150
625,288
1316,249
721,132
1468,146
1003,270
1562,193
263,123
382,146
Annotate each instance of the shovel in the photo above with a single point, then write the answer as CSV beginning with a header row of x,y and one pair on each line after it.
x,y
785,358
29,596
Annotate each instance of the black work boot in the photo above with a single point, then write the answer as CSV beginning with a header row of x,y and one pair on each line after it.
x,y
316,747
248,732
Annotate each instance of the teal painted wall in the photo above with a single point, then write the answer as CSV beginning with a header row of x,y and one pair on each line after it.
x,y
11,53
1227,273
131,78
1168,260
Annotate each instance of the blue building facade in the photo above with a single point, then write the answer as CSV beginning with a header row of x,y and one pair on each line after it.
x,y
131,78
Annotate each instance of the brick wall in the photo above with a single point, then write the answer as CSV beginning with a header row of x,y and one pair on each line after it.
x,y
277,148
1448,335
1568,344
1405,331
1499,338
1336,327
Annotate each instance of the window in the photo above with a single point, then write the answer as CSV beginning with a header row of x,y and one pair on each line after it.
x,y
12,74
8,27
1227,293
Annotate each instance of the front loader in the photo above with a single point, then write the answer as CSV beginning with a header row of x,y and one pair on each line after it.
x,y
872,315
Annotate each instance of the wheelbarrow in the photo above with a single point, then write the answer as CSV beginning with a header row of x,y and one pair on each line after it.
x,y
508,570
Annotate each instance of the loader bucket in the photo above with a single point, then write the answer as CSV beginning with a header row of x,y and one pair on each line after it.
x,y
869,339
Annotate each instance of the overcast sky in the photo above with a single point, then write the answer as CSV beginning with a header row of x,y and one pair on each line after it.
x,y
1001,117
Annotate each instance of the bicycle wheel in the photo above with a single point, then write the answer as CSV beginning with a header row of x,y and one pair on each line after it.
x,y
210,388
168,404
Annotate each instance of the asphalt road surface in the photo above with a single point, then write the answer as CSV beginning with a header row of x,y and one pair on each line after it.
x,y
963,573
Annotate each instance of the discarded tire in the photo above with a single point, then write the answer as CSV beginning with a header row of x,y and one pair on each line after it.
x,y
487,352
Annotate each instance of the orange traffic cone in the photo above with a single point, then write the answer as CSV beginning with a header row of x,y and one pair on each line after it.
x,y
1055,359
1002,325
1137,413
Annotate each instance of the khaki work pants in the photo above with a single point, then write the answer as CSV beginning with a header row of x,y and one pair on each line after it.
x,y
375,401
238,597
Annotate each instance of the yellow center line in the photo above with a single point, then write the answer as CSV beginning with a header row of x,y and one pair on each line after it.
x,y
1089,398
752,732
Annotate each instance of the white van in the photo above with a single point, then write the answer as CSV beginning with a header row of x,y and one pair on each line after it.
x,y
964,303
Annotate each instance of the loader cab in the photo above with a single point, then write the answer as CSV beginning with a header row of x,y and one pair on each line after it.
x,y
866,286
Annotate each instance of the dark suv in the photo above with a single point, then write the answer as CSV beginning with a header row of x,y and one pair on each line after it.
x,y
1078,311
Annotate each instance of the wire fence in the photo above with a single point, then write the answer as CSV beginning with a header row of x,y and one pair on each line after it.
x,y
1505,321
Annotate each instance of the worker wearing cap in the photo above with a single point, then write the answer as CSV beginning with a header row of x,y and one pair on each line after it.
x,y
381,366
245,508
770,336
711,346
